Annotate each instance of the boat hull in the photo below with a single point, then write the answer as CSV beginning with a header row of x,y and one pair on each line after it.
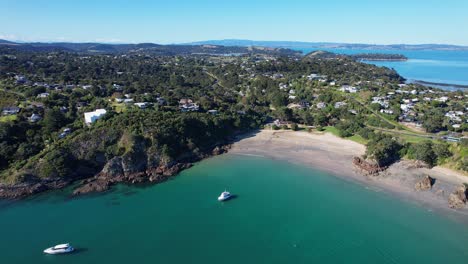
x,y
52,251
222,199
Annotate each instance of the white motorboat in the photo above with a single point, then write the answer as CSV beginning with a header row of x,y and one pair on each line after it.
x,y
224,196
59,249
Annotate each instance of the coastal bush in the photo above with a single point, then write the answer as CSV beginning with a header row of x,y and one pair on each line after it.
x,y
366,133
383,149
423,151
377,122
294,127
442,151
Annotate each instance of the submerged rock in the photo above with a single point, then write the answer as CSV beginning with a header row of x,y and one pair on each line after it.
x,y
425,184
92,186
457,199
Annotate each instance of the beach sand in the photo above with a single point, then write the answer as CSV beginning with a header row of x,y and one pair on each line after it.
x,y
334,155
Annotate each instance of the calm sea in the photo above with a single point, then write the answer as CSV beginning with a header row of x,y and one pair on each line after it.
x,y
283,213
450,67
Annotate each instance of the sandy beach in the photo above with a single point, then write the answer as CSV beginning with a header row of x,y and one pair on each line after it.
x,y
334,155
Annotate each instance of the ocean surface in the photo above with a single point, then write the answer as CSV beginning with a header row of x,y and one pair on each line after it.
x,y
449,67
283,213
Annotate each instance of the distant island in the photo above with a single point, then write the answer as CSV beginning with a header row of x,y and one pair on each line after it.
x,y
379,57
328,45
358,57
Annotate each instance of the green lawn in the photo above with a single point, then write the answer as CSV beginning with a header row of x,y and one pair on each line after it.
x,y
355,138
358,139
119,107
9,118
332,130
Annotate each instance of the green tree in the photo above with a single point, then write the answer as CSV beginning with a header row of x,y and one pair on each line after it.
x,y
442,151
383,149
54,119
278,99
423,151
433,121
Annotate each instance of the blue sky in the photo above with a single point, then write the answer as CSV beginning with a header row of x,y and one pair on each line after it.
x,y
176,21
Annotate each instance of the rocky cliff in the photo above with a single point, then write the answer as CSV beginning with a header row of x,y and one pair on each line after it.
x,y
104,157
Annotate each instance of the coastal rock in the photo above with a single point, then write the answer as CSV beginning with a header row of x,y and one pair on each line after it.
x,y
366,167
458,198
425,184
113,168
114,173
220,150
139,165
92,186
416,164
26,189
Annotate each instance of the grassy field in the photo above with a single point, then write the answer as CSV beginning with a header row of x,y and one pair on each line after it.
x,y
9,118
119,107
332,130
355,138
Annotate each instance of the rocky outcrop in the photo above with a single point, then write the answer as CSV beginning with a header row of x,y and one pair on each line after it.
x,y
114,172
367,167
425,184
458,198
220,150
139,165
30,188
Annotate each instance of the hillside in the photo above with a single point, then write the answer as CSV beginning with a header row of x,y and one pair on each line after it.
x,y
146,48
164,112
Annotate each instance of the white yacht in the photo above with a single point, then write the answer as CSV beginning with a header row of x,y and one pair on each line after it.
x,y
224,196
59,249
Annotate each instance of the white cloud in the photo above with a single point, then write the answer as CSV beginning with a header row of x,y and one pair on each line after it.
x,y
8,37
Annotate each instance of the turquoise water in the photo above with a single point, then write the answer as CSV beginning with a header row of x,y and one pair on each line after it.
x,y
283,213
427,65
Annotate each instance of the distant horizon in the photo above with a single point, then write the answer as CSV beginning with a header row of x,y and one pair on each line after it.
x,y
226,39
181,21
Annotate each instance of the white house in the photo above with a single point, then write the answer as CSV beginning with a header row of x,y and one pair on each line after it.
x,y
142,105
90,117
321,105
442,99
339,104
348,89
386,111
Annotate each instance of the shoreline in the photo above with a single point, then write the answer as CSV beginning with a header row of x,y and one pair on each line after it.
x,y
439,85
333,155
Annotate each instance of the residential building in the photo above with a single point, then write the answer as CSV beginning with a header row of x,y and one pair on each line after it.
x,y
91,117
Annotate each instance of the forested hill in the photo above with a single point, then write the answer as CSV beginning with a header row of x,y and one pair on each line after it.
x,y
146,48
